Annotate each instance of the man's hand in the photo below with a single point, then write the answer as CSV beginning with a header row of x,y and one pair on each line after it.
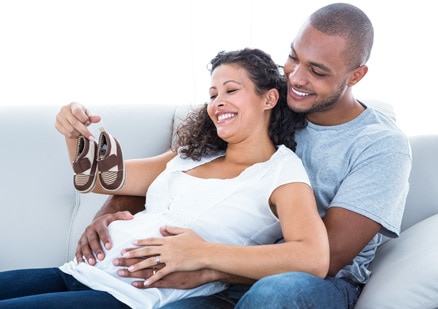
x,y
176,280
90,243
116,207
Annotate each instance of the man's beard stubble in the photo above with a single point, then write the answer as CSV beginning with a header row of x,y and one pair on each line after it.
x,y
327,103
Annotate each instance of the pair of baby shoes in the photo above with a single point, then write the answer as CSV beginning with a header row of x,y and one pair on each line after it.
x,y
103,158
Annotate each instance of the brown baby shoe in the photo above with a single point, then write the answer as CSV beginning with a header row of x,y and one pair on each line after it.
x,y
84,165
110,162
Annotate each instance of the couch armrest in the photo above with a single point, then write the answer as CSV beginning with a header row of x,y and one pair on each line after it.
x,y
405,270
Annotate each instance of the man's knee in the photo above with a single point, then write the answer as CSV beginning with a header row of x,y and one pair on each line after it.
x,y
285,290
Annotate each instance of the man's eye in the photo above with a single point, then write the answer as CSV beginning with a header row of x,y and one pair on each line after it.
x,y
317,73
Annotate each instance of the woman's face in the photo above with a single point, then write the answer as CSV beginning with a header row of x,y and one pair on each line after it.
x,y
234,107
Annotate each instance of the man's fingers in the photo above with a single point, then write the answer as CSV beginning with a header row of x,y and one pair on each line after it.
x,y
140,274
90,244
103,234
96,247
83,252
79,257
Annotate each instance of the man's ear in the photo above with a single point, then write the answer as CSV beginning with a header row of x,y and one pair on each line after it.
x,y
357,75
272,97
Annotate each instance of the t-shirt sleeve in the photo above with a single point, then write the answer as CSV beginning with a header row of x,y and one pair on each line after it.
x,y
378,180
289,169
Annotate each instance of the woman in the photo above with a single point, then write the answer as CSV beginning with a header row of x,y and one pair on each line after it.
x,y
231,179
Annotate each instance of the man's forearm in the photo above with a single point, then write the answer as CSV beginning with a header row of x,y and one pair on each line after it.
x,y
214,275
116,203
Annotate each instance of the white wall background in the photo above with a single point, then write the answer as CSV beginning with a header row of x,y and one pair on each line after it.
x,y
113,52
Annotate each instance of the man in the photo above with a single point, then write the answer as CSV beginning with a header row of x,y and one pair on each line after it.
x,y
357,159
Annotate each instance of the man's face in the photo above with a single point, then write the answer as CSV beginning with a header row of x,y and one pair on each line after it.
x,y
315,71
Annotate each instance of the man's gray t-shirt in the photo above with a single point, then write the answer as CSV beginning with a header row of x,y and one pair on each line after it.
x,y
363,166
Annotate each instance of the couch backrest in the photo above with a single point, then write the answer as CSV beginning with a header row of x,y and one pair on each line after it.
x,y
36,193
42,215
422,200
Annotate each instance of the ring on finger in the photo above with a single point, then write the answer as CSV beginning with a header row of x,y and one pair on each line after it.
x,y
157,260
154,271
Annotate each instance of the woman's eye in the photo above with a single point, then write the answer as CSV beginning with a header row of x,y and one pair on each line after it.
x,y
292,58
231,90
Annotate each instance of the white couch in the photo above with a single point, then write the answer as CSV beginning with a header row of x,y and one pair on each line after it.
x,y
42,216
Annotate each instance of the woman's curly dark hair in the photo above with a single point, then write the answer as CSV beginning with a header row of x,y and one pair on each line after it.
x,y
197,134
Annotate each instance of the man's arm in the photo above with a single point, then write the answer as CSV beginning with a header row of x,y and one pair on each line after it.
x,y
188,280
348,234
115,208
116,203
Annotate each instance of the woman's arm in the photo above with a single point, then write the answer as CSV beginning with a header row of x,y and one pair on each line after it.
x,y
73,120
140,173
305,248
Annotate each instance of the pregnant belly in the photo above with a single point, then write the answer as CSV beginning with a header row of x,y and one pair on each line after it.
x,y
124,232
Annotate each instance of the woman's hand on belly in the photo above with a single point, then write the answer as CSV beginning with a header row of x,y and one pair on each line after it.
x,y
179,250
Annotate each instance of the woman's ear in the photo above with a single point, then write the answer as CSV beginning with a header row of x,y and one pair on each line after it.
x,y
272,97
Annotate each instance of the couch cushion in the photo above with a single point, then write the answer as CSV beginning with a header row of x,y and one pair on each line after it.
x,y
405,271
